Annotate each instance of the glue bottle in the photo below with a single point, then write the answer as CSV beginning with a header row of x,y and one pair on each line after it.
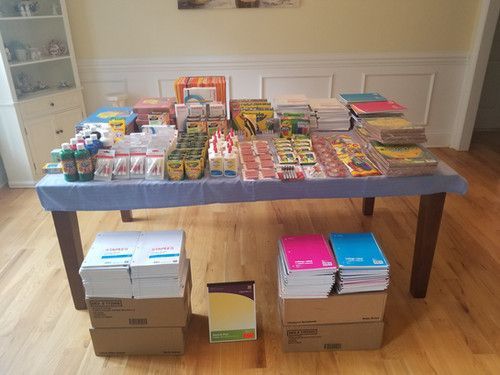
x,y
215,161
83,163
230,162
68,163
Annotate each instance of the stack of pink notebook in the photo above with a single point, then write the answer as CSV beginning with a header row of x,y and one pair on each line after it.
x,y
306,267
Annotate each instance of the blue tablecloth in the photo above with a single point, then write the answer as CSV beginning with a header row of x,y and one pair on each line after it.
x,y
58,195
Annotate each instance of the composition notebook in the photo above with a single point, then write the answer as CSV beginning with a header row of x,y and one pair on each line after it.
x,y
231,312
358,250
307,253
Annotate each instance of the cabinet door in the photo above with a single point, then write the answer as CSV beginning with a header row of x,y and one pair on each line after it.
x,y
65,124
41,139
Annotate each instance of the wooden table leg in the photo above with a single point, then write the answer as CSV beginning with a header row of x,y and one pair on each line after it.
x,y
368,204
68,234
429,220
127,216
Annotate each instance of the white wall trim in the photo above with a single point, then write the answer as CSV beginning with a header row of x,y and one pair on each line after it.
x,y
262,79
221,63
474,75
430,91
21,184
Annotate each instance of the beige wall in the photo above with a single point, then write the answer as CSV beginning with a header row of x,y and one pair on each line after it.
x,y
155,28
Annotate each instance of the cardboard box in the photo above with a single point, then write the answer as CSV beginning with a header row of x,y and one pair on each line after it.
x,y
138,341
316,338
338,308
130,312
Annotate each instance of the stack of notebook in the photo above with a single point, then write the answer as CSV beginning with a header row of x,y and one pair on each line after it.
x,y
402,160
348,99
388,108
363,266
330,114
306,267
391,130
105,270
159,267
292,104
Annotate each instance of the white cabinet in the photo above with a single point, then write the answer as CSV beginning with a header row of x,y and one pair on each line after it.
x,y
40,93
45,133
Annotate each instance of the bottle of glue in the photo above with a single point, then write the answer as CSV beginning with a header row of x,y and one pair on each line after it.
x,y
230,162
215,161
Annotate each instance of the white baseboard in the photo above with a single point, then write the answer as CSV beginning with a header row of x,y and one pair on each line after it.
x,y
428,84
22,184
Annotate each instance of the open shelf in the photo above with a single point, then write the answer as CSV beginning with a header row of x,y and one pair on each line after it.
x,y
42,60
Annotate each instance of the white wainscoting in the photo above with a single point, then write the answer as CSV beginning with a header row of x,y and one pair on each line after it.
x,y
429,85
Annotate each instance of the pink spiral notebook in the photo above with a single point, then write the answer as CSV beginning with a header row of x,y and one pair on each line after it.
x,y
377,107
307,253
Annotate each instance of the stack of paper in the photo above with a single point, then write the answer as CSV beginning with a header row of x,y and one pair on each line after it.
x,y
331,114
391,130
159,267
362,264
306,267
292,104
402,160
105,270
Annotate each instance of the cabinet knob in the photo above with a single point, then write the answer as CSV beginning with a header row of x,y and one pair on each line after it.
x,y
59,131
52,104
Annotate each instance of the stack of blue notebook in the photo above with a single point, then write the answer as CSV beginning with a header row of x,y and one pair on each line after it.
x,y
363,266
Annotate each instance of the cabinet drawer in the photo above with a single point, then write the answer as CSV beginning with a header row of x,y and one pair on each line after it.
x,y
50,104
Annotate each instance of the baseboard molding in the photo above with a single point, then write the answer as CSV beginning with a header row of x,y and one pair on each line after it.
x,y
22,184
438,139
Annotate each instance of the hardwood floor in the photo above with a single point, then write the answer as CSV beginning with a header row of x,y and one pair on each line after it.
x,y
455,330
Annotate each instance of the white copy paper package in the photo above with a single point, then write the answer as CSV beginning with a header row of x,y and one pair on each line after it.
x,y
105,270
158,268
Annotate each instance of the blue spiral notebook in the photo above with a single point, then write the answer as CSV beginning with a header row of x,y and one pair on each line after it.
x,y
358,250
361,98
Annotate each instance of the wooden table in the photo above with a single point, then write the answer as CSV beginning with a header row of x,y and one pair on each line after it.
x,y
64,199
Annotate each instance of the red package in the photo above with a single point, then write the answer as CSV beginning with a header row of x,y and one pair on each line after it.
x,y
250,174
251,165
268,173
267,164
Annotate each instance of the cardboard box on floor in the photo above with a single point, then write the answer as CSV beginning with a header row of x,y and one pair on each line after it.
x,y
337,308
327,337
130,312
138,341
